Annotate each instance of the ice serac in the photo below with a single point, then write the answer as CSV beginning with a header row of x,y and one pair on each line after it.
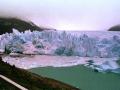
x,y
7,24
62,43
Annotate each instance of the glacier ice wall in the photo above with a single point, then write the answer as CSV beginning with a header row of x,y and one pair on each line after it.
x,y
84,44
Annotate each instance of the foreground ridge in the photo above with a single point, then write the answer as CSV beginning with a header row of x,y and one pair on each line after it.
x,y
12,82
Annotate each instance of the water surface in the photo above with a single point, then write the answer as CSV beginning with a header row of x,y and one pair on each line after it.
x,y
81,77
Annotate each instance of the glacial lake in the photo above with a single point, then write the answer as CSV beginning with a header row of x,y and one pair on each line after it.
x,y
70,70
81,77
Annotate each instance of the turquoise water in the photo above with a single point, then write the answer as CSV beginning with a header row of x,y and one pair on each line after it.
x,y
81,77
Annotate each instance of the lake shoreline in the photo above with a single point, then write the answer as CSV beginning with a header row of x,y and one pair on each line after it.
x,y
34,61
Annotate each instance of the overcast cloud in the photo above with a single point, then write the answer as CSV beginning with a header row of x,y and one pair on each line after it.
x,y
65,14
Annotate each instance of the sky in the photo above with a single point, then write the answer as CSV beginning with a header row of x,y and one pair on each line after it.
x,y
89,15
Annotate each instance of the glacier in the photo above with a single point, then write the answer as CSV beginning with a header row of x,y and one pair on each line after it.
x,y
63,43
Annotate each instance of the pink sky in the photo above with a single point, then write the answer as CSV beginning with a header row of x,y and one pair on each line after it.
x,y
65,14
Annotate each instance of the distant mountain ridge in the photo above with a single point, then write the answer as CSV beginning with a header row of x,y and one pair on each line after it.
x,y
7,24
115,28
